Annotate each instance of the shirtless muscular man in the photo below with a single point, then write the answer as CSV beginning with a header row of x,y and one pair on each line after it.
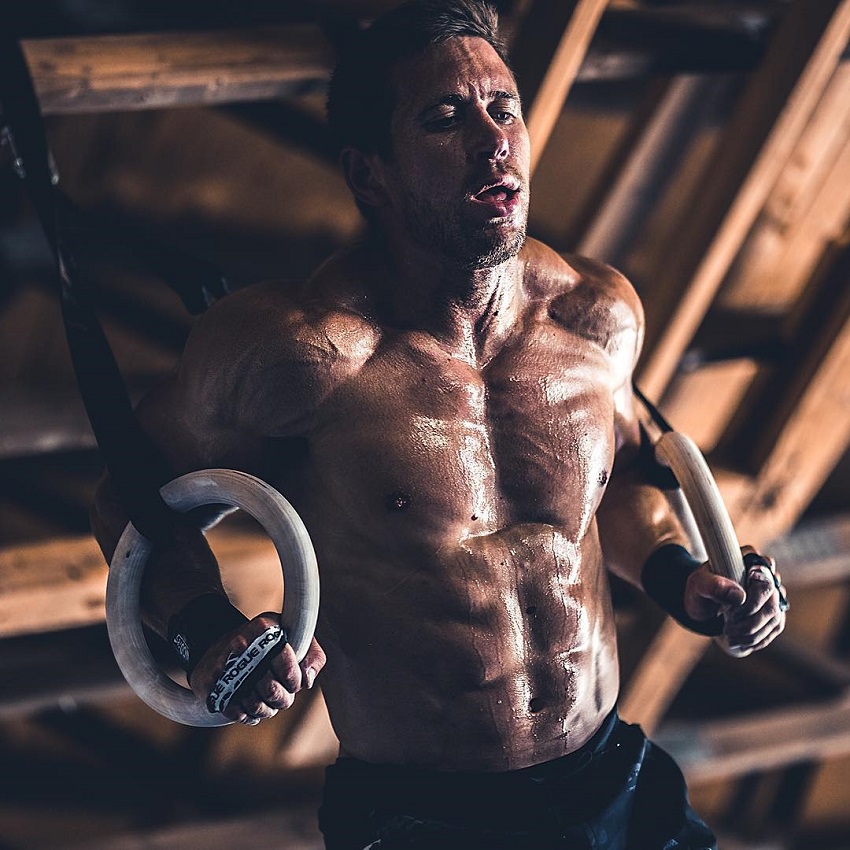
x,y
448,405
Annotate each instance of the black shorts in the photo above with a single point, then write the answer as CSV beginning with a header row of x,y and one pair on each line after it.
x,y
618,792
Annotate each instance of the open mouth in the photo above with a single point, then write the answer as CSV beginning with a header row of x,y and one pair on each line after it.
x,y
499,198
503,191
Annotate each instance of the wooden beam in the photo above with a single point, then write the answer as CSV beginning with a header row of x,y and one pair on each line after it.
x,y
143,71
668,660
806,209
718,749
801,455
51,586
802,78
61,584
98,73
701,403
644,158
815,552
768,121
573,24
293,828
561,74
805,390
42,671
821,671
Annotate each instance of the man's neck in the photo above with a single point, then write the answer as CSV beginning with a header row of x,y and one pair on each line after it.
x,y
472,312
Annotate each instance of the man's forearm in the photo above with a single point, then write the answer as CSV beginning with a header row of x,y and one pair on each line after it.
x,y
175,574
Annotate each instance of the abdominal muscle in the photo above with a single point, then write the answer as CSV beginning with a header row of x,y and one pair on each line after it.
x,y
498,653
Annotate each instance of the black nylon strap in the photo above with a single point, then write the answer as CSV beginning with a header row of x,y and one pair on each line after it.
x,y
654,412
197,281
656,473
135,465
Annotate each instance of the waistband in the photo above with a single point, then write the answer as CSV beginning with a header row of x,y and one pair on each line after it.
x,y
578,780
399,776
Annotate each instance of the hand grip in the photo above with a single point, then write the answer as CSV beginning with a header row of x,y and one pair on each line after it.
x,y
123,617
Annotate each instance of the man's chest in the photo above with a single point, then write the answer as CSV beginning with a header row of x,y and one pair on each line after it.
x,y
527,438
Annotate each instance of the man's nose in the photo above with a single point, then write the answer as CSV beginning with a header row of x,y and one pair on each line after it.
x,y
490,141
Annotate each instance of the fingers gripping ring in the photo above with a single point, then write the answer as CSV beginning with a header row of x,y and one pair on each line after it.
x,y
123,618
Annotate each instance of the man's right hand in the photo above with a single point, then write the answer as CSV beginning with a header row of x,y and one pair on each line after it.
x,y
275,690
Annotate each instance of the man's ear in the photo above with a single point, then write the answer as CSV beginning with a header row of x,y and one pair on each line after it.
x,y
364,176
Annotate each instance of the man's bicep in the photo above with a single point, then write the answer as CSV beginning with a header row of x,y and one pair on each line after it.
x,y
181,427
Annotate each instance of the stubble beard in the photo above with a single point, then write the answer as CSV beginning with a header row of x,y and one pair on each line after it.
x,y
464,244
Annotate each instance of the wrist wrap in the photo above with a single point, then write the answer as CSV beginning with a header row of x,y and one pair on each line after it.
x,y
664,577
195,628
246,669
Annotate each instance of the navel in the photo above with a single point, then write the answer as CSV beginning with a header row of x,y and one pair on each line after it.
x,y
398,501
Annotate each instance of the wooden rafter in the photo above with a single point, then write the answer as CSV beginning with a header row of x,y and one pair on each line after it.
x,y
819,669
806,209
668,660
549,71
722,748
816,552
42,670
633,178
793,462
141,71
30,576
149,70
756,144
801,455
33,577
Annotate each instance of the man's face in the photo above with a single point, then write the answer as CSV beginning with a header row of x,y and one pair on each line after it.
x,y
457,178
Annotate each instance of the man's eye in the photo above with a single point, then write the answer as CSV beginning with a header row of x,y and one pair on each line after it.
x,y
503,116
504,110
441,122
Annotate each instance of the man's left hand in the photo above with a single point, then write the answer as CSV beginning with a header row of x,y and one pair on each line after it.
x,y
753,617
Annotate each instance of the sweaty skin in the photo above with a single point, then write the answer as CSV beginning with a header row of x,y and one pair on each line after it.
x,y
449,408
465,604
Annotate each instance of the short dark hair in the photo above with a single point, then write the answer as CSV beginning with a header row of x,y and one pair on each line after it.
x,y
361,98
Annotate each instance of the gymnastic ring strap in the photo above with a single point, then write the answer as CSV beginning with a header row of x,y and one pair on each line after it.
x,y
136,466
123,617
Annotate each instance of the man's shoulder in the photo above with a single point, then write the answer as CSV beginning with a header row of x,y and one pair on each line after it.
x,y
285,320
268,356
585,296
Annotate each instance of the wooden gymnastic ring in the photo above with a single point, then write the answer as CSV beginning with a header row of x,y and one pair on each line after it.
x,y
685,460
123,619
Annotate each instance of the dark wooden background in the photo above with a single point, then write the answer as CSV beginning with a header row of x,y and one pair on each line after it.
x,y
701,147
